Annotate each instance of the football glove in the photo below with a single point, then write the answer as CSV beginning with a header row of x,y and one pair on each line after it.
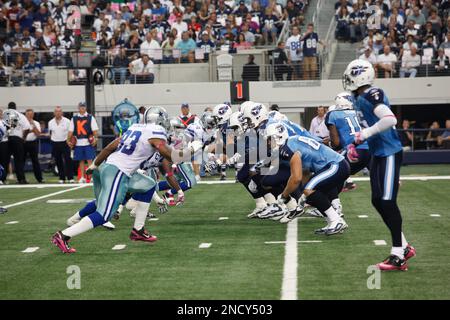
x,y
359,137
352,154
180,198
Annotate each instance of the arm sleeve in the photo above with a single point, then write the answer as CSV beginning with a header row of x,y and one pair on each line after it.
x,y
387,120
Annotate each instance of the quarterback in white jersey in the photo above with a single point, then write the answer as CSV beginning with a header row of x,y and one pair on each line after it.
x,y
123,158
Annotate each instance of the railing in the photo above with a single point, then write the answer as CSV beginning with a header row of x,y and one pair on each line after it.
x,y
424,70
421,142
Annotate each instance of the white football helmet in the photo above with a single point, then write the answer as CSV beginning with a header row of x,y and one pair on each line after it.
x,y
236,123
255,114
277,116
245,104
11,118
207,120
221,114
157,115
358,73
344,101
278,132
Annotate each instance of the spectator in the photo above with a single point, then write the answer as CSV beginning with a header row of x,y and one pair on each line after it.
x,y
16,144
357,20
442,63
406,136
241,10
249,36
309,45
31,145
294,53
270,22
206,45
59,129
318,127
149,46
410,63
250,71
186,46
417,17
386,63
281,63
241,43
433,134
141,70
179,24
167,46
34,72
84,128
18,76
343,24
408,45
368,55
444,139
120,64
446,44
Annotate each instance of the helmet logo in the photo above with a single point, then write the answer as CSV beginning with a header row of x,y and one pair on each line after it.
x,y
223,109
357,70
280,128
256,110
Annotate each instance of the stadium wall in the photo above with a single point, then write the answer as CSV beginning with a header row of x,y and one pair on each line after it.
x,y
290,96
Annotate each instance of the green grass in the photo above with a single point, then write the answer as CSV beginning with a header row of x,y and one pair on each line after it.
x,y
238,265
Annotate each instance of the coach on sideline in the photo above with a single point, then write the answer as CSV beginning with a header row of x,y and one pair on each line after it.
x,y
58,128
84,128
16,144
31,145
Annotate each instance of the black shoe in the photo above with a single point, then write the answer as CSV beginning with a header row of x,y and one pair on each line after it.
x,y
23,182
41,181
223,177
3,210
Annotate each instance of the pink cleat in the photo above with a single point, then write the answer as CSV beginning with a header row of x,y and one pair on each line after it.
x,y
142,235
410,252
393,263
62,242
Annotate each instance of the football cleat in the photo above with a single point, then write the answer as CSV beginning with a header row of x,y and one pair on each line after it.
x,y
255,212
410,252
336,227
272,211
3,210
142,235
292,215
62,242
349,186
313,212
150,215
108,225
393,263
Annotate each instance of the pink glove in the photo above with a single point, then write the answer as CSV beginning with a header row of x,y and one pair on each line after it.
x,y
180,198
352,154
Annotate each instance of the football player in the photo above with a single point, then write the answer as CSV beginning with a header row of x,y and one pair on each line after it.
x,y
378,122
329,168
118,175
3,132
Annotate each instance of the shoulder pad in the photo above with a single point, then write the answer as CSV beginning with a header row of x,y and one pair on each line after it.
x,y
375,96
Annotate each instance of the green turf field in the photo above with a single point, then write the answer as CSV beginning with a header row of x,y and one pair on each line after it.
x,y
238,265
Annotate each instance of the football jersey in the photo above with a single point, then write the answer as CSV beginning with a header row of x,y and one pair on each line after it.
x,y
315,155
154,161
134,147
2,131
384,143
195,132
346,123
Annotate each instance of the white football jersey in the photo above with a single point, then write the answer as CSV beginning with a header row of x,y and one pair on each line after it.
x,y
2,131
134,148
153,162
195,131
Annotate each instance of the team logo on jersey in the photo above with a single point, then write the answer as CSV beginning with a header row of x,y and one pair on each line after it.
x,y
256,110
357,70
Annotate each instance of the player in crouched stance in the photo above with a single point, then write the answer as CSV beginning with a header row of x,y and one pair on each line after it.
x,y
378,122
329,168
116,175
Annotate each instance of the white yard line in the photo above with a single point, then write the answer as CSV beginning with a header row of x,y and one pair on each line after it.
x,y
289,285
206,182
44,197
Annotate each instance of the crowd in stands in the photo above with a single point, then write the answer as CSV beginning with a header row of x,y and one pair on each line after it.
x,y
401,38
36,33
